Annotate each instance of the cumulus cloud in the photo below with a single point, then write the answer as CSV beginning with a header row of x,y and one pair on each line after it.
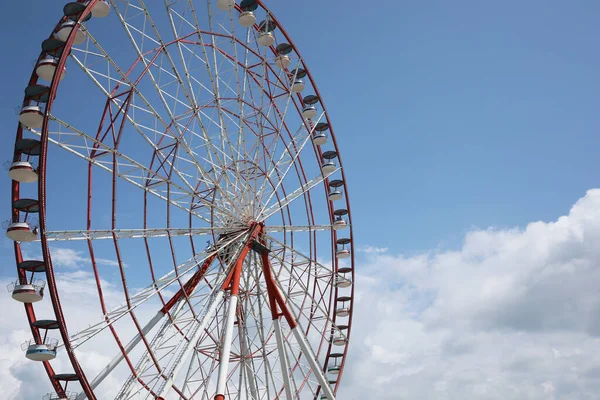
x,y
512,314
25,379
373,249
68,258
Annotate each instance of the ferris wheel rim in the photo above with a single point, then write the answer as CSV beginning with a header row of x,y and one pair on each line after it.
x,y
42,175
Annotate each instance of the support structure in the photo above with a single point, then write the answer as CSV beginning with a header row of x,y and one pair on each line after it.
x,y
187,289
232,284
247,363
276,300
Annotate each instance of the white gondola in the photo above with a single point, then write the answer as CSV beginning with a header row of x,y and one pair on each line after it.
x,y
101,9
46,69
340,218
342,282
309,112
266,39
40,351
23,172
21,232
334,369
56,396
225,4
32,116
65,30
29,292
339,223
342,312
298,85
340,340
342,253
334,195
247,19
319,138
328,167
282,61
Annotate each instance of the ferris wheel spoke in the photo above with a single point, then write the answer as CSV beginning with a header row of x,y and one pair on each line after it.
x,y
322,274
282,203
214,160
297,228
282,127
275,167
265,89
214,78
285,350
321,267
288,160
82,145
129,233
176,355
90,62
177,300
313,311
149,292
184,350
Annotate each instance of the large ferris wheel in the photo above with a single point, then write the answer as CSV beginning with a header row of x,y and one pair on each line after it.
x,y
185,148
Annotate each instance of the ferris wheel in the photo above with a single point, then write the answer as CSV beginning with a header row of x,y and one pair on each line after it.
x,y
182,150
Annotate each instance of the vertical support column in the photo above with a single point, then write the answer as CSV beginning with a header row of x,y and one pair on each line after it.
x,y
275,296
285,369
226,349
233,283
248,369
271,292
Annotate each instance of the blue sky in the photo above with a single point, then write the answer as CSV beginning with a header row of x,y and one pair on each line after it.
x,y
451,117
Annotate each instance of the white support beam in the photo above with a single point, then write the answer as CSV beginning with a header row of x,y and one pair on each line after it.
x,y
247,363
226,348
128,233
189,346
119,357
285,370
312,361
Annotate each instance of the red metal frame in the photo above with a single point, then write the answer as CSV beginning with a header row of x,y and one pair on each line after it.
x,y
334,293
188,287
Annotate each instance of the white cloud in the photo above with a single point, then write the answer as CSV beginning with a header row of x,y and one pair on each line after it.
x,y
512,314
373,249
69,258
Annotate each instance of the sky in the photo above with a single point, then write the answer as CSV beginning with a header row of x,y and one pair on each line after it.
x,y
468,132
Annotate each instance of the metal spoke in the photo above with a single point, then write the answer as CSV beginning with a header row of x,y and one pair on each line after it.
x,y
298,228
131,233
148,292
267,212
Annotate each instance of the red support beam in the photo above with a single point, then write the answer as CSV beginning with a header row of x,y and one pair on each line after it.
x,y
275,296
189,286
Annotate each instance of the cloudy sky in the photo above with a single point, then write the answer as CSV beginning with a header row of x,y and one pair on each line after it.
x,y
510,314
469,134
